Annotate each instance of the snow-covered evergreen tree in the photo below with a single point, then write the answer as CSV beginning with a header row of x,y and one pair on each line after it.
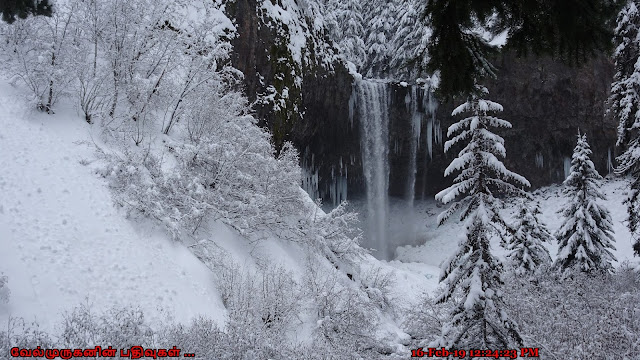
x,y
625,104
346,26
380,26
527,252
477,319
410,40
586,235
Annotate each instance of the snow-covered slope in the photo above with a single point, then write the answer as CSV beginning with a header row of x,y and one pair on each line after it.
x,y
62,240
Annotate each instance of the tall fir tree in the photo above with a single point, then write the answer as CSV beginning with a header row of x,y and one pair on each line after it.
x,y
380,26
478,319
526,246
625,105
586,235
350,21
409,42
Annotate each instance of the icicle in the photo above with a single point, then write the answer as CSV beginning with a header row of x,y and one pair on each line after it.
x,y
408,99
567,167
310,178
610,166
430,138
539,160
415,121
352,105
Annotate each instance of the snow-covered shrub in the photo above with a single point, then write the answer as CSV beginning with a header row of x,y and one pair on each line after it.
x,y
347,319
117,327
335,234
20,334
377,284
586,316
424,320
138,183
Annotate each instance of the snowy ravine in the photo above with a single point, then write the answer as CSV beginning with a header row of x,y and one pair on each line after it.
x,y
62,240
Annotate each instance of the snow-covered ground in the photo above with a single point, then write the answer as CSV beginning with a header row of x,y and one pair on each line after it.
x,y
62,240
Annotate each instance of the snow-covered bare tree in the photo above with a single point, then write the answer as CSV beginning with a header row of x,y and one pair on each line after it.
x,y
41,53
625,105
586,235
478,319
526,245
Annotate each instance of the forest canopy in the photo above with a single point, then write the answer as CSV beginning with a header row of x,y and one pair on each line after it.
x,y
570,30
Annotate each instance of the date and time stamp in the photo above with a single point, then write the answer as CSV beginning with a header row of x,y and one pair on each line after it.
x,y
476,353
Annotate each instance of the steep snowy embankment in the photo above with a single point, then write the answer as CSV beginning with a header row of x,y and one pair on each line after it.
x,y
62,241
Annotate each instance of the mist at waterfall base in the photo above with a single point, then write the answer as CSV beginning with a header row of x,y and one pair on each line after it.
x,y
403,226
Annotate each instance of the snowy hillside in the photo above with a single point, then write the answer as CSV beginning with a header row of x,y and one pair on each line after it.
x,y
64,242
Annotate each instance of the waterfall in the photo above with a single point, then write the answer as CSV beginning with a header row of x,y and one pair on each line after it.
x,y
373,112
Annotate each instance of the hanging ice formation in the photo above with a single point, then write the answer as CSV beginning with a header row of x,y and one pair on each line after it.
x,y
310,176
567,167
338,186
373,113
421,95
610,167
539,160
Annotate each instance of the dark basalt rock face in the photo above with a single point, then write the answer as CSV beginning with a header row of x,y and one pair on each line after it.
x,y
320,129
546,101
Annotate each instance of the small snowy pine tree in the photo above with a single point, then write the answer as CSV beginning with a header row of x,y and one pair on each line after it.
x,y
625,104
527,252
478,319
585,236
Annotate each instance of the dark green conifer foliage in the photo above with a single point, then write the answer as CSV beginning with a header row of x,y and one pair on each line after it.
x,y
13,9
570,30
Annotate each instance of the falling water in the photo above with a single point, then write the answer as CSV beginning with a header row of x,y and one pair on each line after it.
x,y
373,112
